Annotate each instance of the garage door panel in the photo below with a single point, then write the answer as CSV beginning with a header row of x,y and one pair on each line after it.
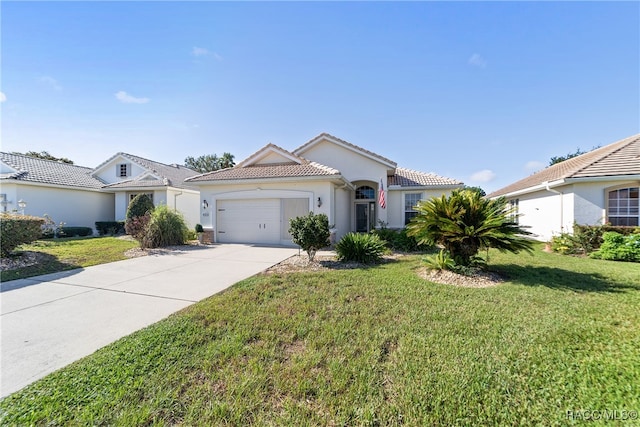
x,y
248,221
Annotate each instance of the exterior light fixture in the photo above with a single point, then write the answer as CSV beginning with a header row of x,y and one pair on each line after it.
x,y
319,202
205,204
22,204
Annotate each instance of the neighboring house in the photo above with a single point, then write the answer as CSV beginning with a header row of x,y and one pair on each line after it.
x,y
80,196
127,176
254,201
67,193
599,187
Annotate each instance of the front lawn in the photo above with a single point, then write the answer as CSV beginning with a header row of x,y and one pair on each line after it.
x,y
373,346
69,253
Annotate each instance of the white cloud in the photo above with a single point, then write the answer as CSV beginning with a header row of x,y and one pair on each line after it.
x,y
3,97
534,165
125,98
477,61
484,175
201,51
51,82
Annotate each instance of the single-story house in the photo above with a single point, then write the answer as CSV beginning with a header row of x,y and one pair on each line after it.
x,y
80,196
595,188
357,189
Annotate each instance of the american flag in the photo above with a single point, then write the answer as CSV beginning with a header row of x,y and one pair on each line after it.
x,y
381,199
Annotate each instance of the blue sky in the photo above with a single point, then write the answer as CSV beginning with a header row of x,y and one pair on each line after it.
x,y
485,92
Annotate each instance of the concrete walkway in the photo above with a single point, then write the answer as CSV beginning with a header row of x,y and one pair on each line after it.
x,y
49,321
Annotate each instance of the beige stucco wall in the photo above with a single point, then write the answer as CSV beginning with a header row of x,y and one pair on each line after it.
x,y
395,203
353,166
75,207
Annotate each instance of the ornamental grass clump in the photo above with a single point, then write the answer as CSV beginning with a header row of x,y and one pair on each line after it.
x,y
363,248
166,228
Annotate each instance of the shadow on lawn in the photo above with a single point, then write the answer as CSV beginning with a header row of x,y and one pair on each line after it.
x,y
46,264
557,278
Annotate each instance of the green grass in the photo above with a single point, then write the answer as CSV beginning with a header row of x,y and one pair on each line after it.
x,y
375,346
69,253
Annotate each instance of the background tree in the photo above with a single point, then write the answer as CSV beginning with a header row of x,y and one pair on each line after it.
x,y
558,159
226,161
465,222
46,156
210,162
477,189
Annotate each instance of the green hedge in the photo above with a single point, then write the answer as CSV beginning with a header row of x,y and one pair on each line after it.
x,y
618,247
109,227
398,240
18,229
76,231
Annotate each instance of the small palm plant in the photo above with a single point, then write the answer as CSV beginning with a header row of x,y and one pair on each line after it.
x,y
465,222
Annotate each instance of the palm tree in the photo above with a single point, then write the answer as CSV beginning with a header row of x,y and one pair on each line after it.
x,y
226,161
465,222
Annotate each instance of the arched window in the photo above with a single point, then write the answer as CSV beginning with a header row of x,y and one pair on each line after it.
x,y
365,192
623,206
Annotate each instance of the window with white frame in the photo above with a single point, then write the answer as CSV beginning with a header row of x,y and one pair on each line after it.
x,y
514,210
410,201
123,170
623,206
365,192
3,202
133,195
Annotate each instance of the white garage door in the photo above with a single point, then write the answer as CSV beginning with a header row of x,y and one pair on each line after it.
x,y
248,221
263,221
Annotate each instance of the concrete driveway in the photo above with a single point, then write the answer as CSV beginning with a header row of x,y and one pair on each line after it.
x,y
49,321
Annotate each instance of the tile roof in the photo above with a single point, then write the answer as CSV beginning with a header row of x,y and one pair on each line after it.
x,y
268,171
170,175
410,178
31,169
619,158
348,144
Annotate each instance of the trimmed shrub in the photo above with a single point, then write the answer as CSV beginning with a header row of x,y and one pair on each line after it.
x,y
310,232
398,240
363,248
139,206
76,231
16,230
617,247
137,226
109,227
166,227
199,228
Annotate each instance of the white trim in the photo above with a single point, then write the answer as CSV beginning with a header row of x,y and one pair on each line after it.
x,y
42,184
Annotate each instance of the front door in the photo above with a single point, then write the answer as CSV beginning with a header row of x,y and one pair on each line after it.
x,y
365,216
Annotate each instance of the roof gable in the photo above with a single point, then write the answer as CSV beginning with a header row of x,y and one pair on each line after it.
x,y
270,154
327,138
617,159
148,172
